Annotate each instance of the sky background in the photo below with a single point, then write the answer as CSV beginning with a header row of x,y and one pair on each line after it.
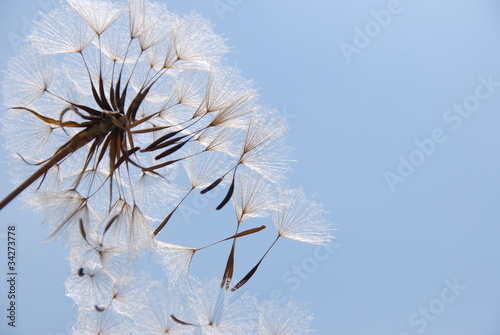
x,y
419,255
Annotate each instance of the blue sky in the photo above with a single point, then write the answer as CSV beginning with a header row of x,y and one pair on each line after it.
x,y
394,126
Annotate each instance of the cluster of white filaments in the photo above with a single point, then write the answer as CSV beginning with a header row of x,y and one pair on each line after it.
x,y
126,111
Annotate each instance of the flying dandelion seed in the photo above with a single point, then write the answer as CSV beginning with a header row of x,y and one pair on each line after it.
x,y
116,114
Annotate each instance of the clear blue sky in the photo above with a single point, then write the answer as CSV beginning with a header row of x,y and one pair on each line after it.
x,y
395,128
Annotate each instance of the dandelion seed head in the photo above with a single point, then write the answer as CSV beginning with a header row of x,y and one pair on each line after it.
x,y
117,112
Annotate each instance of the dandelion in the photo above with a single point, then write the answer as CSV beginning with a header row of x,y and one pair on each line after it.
x,y
119,111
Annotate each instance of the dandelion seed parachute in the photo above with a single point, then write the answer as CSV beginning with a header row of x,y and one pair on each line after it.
x,y
288,319
161,302
94,322
300,219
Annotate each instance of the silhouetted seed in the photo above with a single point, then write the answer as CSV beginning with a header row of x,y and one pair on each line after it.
x,y
160,227
162,165
160,140
228,272
247,277
252,272
126,155
119,104
243,233
99,309
113,219
103,95
121,101
228,196
80,272
82,230
104,149
182,322
211,186
112,97
96,96
170,142
171,150
148,130
136,103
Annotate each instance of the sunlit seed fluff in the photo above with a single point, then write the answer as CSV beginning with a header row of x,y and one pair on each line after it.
x,y
223,140
99,15
150,23
175,259
203,168
223,312
160,303
298,218
94,249
264,150
61,31
63,210
225,88
28,77
89,284
105,322
128,293
130,229
283,319
253,197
